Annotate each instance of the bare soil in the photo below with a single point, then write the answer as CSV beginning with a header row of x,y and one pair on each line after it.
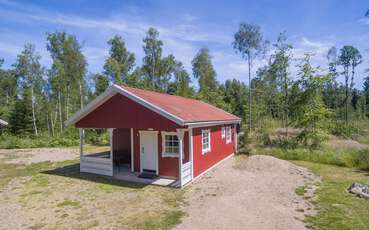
x,y
253,193
29,156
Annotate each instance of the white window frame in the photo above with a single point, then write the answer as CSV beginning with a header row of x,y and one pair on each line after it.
x,y
223,132
164,153
228,134
208,149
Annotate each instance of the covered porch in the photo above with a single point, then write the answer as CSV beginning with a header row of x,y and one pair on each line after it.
x,y
129,157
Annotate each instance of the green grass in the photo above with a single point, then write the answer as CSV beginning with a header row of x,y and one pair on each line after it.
x,y
301,190
352,158
338,209
67,202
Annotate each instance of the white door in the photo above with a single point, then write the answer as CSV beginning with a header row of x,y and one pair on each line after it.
x,y
149,150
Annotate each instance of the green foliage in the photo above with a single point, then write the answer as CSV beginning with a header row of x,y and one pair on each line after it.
x,y
352,158
120,62
203,70
8,141
20,120
310,111
337,209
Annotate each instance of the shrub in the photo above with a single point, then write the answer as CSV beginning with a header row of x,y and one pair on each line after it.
x,y
9,141
347,131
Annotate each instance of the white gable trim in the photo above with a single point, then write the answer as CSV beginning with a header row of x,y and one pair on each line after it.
x,y
112,90
2,122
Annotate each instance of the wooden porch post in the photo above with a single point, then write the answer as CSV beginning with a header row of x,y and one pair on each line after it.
x,y
180,135
111,131
81,134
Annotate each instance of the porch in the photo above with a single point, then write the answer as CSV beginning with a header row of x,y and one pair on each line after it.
x,y
123,173
132,153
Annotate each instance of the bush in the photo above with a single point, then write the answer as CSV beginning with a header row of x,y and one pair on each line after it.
x,y
347,131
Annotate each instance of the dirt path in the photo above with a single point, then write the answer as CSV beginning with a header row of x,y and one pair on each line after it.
x,y
254,193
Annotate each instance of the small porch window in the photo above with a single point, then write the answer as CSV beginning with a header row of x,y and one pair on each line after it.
x,y
206,141
170,145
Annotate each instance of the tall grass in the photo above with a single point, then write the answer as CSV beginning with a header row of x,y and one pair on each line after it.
x,y
353,158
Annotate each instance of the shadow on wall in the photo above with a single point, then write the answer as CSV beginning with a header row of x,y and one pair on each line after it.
x,y
72,171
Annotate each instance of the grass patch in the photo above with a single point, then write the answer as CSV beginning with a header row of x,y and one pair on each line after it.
x,y
353,158
338,209
36,226
10,171
167,220
301,190
67,202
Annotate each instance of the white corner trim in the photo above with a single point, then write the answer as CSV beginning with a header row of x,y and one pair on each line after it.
x,y
204,151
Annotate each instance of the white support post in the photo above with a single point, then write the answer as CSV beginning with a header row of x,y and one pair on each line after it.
x,y
132,153
111,131
191,150
235,139
81,134
180,134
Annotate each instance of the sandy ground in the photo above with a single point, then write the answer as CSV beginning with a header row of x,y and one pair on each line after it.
x,y
253,193
29,156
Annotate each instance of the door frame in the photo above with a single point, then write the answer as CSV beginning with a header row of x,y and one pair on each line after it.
x,y
155,134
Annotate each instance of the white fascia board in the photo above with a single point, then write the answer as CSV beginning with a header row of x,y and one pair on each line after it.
x,y
210,123
3,122
91,106
112,90
149,105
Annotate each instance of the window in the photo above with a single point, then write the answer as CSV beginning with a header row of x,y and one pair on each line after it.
x,y
223,132
206,141
228,135
170,145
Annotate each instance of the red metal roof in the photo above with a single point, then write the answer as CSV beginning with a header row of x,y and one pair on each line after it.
x,y
189,110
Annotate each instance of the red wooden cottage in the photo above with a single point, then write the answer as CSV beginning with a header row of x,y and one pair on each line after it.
x,y
168,136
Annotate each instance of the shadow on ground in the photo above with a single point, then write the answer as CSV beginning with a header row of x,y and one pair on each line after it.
x,y
72,171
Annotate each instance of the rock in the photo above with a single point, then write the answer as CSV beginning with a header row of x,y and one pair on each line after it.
x,y
360,190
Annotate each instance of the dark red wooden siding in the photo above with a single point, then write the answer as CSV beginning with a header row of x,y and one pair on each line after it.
x,y
121,112
168,166
219,148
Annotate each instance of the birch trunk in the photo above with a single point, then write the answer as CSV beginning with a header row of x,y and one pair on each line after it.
x,y
81,93
60,112
33,112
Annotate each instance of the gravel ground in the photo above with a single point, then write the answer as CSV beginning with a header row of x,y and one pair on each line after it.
x,y
249,193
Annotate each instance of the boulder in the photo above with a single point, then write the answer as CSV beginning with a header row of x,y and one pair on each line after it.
x,y
360,190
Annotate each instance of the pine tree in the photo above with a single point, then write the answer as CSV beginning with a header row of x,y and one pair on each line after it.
x,y
20,120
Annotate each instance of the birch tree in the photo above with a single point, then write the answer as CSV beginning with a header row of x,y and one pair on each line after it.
x,y
249,42
30,71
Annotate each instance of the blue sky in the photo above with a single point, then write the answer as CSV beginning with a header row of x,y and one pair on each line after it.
x,y
185,27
